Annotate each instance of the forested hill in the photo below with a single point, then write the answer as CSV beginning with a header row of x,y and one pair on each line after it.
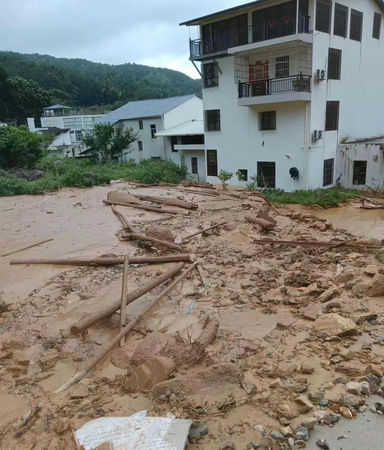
x,y
84,83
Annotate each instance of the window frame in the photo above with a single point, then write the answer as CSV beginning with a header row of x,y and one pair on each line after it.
x,y
332,117
282,66
270,183
212,123
340,9
244,174
319,25
335,56
215,172
210,80
328,172
140,146
358,175
174,141
153,130
141,124
353,33
267,123
376,31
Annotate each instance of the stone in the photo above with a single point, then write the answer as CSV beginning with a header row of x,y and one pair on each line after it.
x,y
121,196
358,388
61,425
49,359
323,403
228,446
351,400
291,442
334,325
79,391
285,319
302,433
346,412
260,429
346,276
287,431
360,289
253,445
144,377
305,404
371,270
300,443
307,367
328,294
162,233
380,256
377,286
277,435
379,406
197,431
120,358
309,423
322,443
311,311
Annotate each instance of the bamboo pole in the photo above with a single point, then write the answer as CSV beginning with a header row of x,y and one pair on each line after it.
x,y
26,248
184,257
142,237
81,374
124,294
122,219
145,207
202,231
104,310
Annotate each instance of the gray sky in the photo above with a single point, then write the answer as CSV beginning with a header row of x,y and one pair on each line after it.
x,y
109,31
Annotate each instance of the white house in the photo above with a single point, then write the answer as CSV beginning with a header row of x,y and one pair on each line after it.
x,y
167,128
286,82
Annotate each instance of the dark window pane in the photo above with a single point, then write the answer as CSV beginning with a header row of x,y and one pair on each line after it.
x,y
153,131
266,174
173,143
212,163
141,124
210,75
341,20
334,64
376,26
212,120
282,67
332,116
140,144
268,120
242,174
328,172
194,165
323,15
356,27
359,172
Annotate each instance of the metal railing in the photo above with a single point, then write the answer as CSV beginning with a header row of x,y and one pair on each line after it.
x,y
271,86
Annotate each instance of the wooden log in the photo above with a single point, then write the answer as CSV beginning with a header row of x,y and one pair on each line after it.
x,y
104,310
202,276
124,292
26,248
167,201
312,243
265,224
194,183
142,237
207,194
145,207
81,374
122,219
202,231
185,257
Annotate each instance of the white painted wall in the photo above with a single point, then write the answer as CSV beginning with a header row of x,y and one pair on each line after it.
x,y
192,109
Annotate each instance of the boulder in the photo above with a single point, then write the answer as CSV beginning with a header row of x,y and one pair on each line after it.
x,y
334,325
328,294
311,311
377,286
162,233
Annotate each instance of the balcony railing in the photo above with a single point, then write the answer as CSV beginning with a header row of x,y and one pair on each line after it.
x,y
271,86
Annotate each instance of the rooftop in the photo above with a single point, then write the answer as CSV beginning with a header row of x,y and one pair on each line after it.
x,y
57,107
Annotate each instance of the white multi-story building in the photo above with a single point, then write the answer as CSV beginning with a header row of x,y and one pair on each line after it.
x,y
167,128
285,83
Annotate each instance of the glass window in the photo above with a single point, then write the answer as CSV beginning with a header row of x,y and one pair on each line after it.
x,y
334,64
323,15
341,20
212,120
356,26
332,116
212,163
141,125
242,175
376,26
210,75
266,174
359,172
328,172
153,131
282,67
268,120
140,144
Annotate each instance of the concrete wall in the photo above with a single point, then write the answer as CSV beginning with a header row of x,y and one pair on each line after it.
x,y
372,153
189,110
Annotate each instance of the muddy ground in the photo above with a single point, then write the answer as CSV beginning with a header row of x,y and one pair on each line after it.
x,y
300,340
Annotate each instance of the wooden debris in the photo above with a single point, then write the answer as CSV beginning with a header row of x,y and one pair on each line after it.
x,y
145,207
207,193
100,311
185,257
312,243
122,219
159,242
265,224
168,201
80,375
197,184
124,293
186,238
26,248
202,276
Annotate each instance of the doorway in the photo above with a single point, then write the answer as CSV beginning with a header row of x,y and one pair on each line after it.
x,y
194,166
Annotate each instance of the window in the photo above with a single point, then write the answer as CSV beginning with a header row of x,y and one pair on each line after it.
x,y
334,64
323,15
212,163
210,75
332,116
282,67
194,165
359,172
268,120
328,172
173,143
79,135
141,126
212,120
376,26
153,131
266,174
356,26
140,144
242,175
341,20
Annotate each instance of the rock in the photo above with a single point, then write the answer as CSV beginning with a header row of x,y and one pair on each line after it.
x,y
253,445
120,358
291,442
277,435
260,429
351,400
162,233
334,325
328,294
79,391
322,443
358,388
250,383
377,286
197,431
61,425
228,446
300,443
307,367
155,370
323,403
346,276
49,359
302,433
311,311
360,289
285,319
371,270
346,412
361,318
380,256
379,406
309,423
305,404
286,431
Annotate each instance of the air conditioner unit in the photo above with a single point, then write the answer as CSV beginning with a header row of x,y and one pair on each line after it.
x,y
317,134
320,75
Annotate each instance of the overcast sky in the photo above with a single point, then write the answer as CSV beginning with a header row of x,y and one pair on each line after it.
x,y
109,31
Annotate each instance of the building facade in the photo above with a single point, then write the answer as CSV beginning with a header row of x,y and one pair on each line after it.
x,y
285,83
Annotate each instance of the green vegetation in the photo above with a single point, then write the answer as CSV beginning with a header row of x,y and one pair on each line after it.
x,y
82,83
224,176
74,173
109,142
322,197
20,148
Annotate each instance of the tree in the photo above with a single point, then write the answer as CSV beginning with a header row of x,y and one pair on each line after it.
x,y
5,95
224,177
20,148
109,141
